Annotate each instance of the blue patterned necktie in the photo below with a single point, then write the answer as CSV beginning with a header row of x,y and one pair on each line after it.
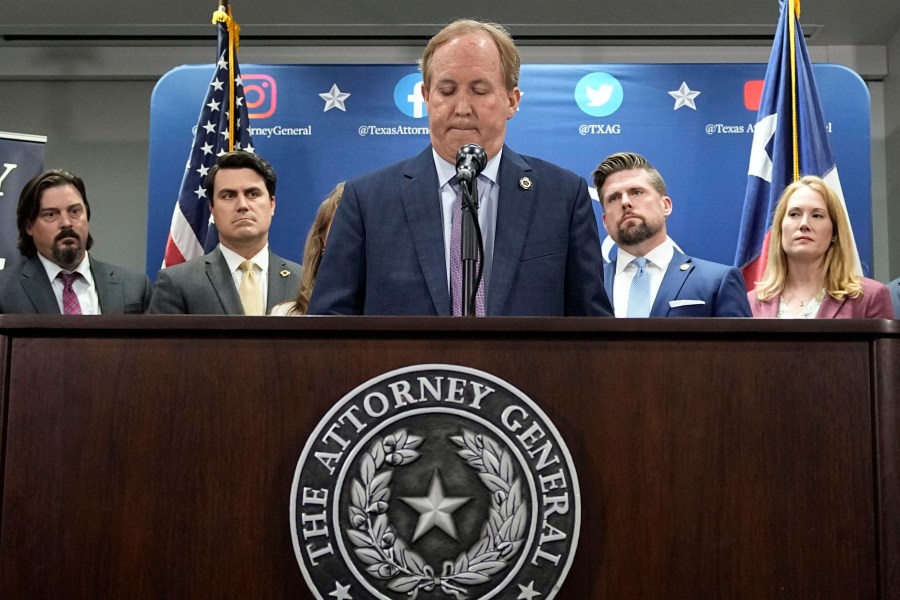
x,y
639,296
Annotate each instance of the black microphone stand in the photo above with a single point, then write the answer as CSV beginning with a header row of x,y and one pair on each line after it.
x,y
469,245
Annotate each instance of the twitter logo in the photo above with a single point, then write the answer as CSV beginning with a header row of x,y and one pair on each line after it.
x,y
599,94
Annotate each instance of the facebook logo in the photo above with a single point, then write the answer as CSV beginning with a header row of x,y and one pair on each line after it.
x,y
408,96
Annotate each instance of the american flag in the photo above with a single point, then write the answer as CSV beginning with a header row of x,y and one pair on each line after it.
x,y
191,233
790,139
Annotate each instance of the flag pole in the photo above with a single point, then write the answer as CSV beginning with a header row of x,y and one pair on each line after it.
x,y
792,26
223,15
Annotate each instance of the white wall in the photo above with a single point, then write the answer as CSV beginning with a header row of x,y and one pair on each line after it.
x,y
100,131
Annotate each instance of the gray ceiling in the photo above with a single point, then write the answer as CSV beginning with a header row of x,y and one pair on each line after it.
x,y
653,22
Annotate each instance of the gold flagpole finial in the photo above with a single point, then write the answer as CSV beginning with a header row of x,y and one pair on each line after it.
x,y
220,15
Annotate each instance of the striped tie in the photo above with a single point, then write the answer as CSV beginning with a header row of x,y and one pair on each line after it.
x,y
456,266
71,306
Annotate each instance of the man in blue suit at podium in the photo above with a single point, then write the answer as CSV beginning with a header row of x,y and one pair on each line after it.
x,y
650,277
391,245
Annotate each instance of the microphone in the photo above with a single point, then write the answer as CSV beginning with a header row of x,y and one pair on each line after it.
x,y
470,161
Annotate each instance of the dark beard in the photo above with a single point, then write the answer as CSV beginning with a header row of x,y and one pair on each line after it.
x,y
69,254
632,236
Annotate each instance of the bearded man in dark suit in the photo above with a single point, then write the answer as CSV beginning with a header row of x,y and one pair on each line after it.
x,y
59,276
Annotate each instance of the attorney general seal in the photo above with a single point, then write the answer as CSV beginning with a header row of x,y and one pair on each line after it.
x,y
435,481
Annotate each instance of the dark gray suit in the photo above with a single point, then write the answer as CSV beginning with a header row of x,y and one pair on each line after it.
x,y
25,289
204,286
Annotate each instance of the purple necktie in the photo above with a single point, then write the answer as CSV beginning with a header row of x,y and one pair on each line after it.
x,y
456,267
71,306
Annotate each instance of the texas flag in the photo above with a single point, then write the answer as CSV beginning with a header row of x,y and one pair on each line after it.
x,y
790,140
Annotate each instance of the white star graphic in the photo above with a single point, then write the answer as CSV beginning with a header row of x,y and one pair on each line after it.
x,y
249,148
435,509
217,84
239,100
222,64
209,127
684,96
222,152
201,192
760,162
224,134
203,170
527,593
213,105
238,80
341,592
207,149
334,98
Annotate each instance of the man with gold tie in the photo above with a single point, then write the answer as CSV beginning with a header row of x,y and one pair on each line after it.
x,y
242,276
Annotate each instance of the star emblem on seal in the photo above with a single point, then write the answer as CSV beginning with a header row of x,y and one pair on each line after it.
x,y
435,509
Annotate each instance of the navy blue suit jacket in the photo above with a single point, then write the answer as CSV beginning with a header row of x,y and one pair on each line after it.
x,y
385,251
698,287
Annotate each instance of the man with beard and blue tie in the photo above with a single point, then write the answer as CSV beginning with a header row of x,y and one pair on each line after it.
x,y
650,277
59,276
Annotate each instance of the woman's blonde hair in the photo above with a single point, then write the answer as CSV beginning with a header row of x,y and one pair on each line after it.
x,y
315,247
839,264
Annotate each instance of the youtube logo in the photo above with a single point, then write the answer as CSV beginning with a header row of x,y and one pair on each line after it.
x,y
753,94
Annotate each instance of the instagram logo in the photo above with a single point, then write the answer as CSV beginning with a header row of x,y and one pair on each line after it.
x,y
261,95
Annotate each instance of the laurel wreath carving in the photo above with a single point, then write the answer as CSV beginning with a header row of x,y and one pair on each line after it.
x,y
388,557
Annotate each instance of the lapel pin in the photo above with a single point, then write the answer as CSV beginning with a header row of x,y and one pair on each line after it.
x,y
284,273
685,266
525,183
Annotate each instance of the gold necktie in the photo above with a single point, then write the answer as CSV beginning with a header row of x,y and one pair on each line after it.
x,y
250,292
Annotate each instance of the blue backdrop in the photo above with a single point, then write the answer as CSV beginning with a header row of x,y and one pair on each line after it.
x,y
321,124
21,158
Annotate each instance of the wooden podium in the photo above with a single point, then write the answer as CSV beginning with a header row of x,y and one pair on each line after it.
x,y
152,457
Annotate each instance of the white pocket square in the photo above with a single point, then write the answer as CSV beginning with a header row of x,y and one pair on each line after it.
x,y
677,303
